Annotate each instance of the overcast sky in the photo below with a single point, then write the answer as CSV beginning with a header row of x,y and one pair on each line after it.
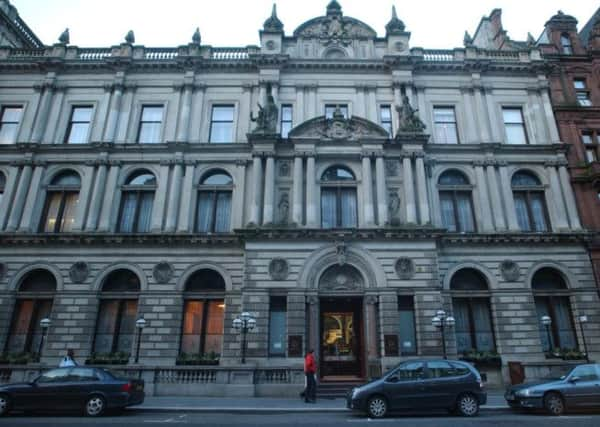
x,y
434,24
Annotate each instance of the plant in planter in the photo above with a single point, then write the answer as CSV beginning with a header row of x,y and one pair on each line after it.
x,y
21,358
567,354
116,358
211,358
482,358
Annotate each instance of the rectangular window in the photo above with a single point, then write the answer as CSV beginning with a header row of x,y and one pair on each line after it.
x,y
25,331
385,118
9,124
514,125
277,326
202,331
582,93
406,312
445,125
79,125
150,124
286,120
590,144
473,324
560,333
330,109
221,124
115,327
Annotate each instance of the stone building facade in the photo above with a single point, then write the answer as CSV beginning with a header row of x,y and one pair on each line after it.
x,y
135,185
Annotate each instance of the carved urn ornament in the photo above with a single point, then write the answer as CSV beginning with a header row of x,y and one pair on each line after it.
x,y
278,269
163,272
79,272
405,268
510,270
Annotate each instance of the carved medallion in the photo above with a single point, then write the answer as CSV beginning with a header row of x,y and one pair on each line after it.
x,y
405,268
284,168
510,270
278,269
79,272
163,272
341,278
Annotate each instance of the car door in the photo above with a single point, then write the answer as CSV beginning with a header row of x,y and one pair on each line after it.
x,y
80,383
404,387
47,391
441,384
582,386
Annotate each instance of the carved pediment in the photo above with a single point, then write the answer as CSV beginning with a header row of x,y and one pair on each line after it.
x,y
341,278
339,128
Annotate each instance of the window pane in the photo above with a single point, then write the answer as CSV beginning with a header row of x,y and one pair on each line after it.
x,y
586,138
223,113
515,134
538,210
8,133
440,369
465,212
149,133
330,109
145,212
152,114
328,207
128,212
447,211
127,326
286,113
223,213
522,214
512,115
20,326
54,200
70,208
542,309
217,179
204,218
192,326
445,133
12,114
349,207
221,132
579,84
484,335
78,133
277,330
214,327
105,328
460,309
562,314
408,342
82,114
411,371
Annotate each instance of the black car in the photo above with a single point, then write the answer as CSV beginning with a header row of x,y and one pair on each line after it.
x,y
422,384
579,389
92,390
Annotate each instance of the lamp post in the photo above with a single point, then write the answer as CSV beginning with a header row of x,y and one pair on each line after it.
x,y
582,320
547,321
44,324
244,323
139,324
443,321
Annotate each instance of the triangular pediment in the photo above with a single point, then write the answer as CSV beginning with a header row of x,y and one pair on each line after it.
x,y
338,128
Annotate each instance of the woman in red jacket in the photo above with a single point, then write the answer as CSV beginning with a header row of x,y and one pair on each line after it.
x,y
310,370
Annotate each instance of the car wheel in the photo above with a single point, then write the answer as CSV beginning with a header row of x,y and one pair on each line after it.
x,y
4,404
94,406
377,407
467,405
554,404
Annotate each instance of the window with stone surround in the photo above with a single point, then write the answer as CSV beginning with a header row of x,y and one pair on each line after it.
x,y
287,119
80,121
62,200
9,123
35,296
277,325
471,309
117,313
221,124
150,124
444,119
137,198
551,296
565,42
582,92
514,125
530,202
408,336
213,214
331,108
385,118
589,138
338,198
456,202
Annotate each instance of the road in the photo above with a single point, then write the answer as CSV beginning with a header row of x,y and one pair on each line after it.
x,y
138,418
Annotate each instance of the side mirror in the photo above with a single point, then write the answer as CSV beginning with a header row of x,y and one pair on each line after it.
x,y
574,379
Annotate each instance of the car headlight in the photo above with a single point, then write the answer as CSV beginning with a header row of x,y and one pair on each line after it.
x,y
355,393
526,392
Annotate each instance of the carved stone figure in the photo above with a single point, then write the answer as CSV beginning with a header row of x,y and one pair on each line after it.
x,y
341,253
64,38
266,121
391,168
163,272
405,268
278,269
394,207
284,168
130,37
409,120
284,208
196,38
79,272
510,270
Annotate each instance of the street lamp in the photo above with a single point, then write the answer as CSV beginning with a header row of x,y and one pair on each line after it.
x,y
582,320
547,321
44,324
244,323
139,324
442,321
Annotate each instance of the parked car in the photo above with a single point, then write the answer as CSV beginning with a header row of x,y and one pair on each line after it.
x,y
579,389
92,390
422,384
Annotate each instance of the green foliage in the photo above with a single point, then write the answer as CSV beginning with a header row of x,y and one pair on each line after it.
x,y
482,358
116,358
566,354
211,358
21,358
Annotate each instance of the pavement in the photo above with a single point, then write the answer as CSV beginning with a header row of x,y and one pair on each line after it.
x,y
268,405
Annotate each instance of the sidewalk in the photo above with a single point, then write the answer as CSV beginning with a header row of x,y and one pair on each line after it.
x,y
265,405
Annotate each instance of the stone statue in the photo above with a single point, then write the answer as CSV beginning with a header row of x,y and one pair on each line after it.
x,y
284,208
394,208
130,37
64,37
409,120
266,121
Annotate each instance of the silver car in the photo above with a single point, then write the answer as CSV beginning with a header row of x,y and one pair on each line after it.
x,y
579,389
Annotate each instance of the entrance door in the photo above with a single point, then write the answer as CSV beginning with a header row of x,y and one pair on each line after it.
x,y
341,338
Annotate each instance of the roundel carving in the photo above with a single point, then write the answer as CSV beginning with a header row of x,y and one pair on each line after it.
x,y
510,270
79,272
163,272
405,268
278,269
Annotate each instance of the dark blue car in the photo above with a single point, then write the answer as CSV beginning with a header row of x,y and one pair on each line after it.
x,y
91,390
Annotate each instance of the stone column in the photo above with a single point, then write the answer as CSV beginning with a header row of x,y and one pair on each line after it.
x,y
41,120
485,214
312,102
409,93
382,202
300,105
482,116
297,191
256,186
113,114
98,195
369,214
409,190
371,326
20,198
244,123
199,130
495,196
565,183
549,114
397,101
422,190
174,197
423,112
239,195
497,134
556,201
51,133
160,197
361,102
183,225
85,194
109,196
509,201
183,125
311,207
313,322
470,128
9,190
269,190
34,191
372,105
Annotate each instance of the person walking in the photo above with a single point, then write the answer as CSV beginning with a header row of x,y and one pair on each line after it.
x,y
69,360
310,371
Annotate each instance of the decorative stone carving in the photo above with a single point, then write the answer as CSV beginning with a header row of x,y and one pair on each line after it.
x,y
340,250
163,272
284,168
64,37
408,119
391,167
341,278
394,207
196,38
79,272
130,37
405,268
283,208
266,121
339,128
510,270
278,269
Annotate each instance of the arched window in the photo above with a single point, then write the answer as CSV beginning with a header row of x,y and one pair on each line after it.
x,y
471,308
455,202
338,198
551,297
530,205
115,326
204,313
34,303
62,200
2,185
136,202
213,214
565,42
